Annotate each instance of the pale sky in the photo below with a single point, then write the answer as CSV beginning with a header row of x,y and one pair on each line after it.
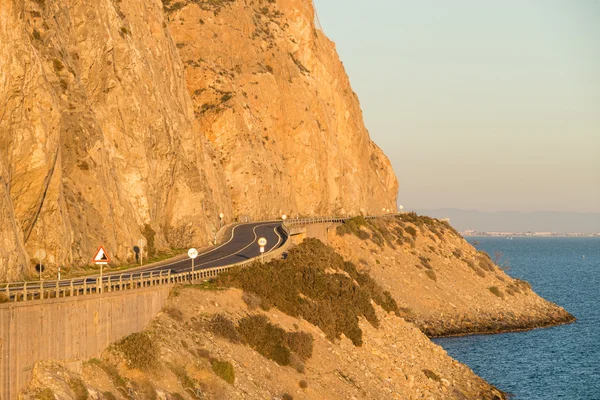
x,y
479,104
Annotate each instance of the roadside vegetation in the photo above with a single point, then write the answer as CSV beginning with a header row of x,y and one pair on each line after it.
x,y
315,283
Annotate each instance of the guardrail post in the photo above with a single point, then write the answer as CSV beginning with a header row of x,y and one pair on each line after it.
x,y
41,290
57,290
71,287
109,284
121,282
84,286
24,292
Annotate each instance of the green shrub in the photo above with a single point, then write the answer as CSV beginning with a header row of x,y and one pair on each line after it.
x,y
266,338
224,370
425,262
58,65
225,328
524,285
485,261
3,298
431,375
431,275
411,231
79,389
299,286
303,384
109,396
203,353
496,291
139,351
351,226
287,396
300,343
149,234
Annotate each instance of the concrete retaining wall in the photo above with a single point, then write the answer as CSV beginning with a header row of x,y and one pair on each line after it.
x,y
318,231
68,329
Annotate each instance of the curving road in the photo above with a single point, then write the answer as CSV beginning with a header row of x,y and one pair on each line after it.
x,y
241,246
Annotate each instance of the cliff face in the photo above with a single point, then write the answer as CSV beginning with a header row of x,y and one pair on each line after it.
x,y
271,94
98,145
103,129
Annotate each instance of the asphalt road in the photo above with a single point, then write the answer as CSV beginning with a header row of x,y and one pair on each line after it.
x,y
241,246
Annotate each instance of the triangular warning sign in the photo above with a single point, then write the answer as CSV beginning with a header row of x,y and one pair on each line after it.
x,y
101,256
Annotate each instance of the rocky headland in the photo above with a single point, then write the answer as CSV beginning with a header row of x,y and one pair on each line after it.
x,y
442,283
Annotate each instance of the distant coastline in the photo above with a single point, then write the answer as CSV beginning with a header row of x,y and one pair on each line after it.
x,y
471,233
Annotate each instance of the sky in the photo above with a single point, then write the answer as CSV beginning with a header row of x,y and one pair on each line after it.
x,y
478,104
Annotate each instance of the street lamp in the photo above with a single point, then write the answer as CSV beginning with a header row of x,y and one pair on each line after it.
x,y
221,218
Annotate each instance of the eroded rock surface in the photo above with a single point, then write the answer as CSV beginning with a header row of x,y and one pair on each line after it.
x,y
273,97
107,137
98,144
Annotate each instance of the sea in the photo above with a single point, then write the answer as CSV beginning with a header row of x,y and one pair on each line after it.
x,y
561,362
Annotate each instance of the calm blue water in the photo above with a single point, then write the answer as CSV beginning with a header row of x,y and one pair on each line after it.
x,y
556,363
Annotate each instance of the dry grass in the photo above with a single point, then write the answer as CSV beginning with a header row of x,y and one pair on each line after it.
x,y
174,313
46,394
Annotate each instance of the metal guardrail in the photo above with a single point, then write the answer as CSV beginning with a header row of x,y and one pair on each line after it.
x,y
36,290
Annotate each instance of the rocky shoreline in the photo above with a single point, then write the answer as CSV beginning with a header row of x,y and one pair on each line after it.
x,y
492,326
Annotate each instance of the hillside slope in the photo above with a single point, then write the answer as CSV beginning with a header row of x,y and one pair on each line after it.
x,y
334,341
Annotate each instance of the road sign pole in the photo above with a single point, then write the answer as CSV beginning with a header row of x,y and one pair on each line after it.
x,y
192,253
141,251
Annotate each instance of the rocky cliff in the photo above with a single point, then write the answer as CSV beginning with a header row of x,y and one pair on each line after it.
x,y
106,136
271,94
